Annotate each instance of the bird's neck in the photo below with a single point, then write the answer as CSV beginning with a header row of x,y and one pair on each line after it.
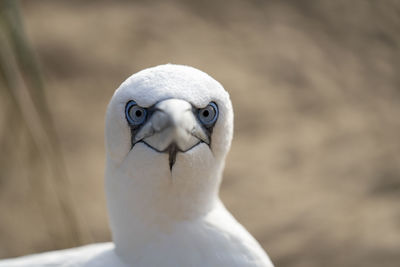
x,y
147,200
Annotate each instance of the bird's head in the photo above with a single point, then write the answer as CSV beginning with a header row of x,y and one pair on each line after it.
x,y
168,130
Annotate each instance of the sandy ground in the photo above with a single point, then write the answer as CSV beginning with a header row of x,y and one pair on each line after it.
x,y
314,171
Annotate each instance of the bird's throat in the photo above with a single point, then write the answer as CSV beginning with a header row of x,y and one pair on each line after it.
x,y
172,151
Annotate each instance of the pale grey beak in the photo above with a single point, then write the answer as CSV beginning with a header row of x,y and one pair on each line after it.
x,y
172,127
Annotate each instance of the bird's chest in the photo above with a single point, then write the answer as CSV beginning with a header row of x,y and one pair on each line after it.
x,y
191,245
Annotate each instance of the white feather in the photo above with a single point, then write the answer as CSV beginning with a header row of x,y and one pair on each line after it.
x,y
159,216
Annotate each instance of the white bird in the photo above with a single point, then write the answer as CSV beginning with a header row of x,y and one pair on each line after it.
x,y
168,131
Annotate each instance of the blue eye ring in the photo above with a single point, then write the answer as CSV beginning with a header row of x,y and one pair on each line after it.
x,y
208,115
135,114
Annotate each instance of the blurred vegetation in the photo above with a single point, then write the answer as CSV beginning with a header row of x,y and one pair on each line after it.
x,y
27,124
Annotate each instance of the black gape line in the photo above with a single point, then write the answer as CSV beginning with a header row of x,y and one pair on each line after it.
x,y
172,149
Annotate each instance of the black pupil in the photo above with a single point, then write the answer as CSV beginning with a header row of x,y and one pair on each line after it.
x,y
138,113
206,113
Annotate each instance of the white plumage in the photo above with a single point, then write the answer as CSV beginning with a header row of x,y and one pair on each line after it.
x,y
164,168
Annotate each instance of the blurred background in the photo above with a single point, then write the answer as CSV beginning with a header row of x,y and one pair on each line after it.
x,y
314,170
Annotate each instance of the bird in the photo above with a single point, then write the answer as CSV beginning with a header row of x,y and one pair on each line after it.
x,y
168,131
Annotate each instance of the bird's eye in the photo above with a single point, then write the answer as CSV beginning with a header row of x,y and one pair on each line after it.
x,y
134,114
208,115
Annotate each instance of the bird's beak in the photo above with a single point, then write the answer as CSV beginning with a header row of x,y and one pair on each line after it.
x,y
172,127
